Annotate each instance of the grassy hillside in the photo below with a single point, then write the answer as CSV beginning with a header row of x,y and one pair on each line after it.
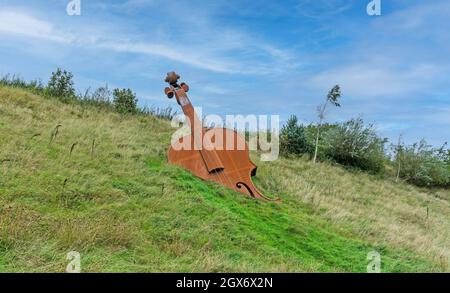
x,y
99,184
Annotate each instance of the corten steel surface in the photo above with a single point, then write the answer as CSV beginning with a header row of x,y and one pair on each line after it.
x,y
225,161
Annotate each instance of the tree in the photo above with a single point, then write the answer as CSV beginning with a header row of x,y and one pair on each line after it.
x,y
332,98
398,157
61,84
293,138
125,101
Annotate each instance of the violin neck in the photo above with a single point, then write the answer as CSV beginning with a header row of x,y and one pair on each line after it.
x,y
188,110
210,157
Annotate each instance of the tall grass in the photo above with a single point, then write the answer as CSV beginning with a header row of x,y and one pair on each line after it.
x,y
18,82
118,203
87,97
166,113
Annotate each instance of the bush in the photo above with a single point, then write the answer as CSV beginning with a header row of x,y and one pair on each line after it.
x,y
422,165
293,138
354,144
61,84
125,101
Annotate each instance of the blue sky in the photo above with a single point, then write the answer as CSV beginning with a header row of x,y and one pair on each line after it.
x,y
250,57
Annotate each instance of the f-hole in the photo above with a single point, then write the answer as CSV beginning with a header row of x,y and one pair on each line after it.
x,y
240,184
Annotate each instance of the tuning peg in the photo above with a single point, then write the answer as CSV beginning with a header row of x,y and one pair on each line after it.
x,y
184,86
169,92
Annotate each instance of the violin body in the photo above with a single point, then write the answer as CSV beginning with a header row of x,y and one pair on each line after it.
x,y
223,157
238,168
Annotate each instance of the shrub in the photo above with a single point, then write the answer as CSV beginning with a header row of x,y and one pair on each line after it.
x,y
125,101
422,165
353,144
61,84
293,138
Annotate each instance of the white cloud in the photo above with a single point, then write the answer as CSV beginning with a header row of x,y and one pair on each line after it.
x,y
376,80
396,55
22,24
201,48
167,52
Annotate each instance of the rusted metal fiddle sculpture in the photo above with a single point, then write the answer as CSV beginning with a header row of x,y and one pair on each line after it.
x,y
216,154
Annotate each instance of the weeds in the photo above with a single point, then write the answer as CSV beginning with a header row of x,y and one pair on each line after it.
x,y
61,87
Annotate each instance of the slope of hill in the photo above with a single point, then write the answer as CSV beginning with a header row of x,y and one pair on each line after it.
x,y
80,178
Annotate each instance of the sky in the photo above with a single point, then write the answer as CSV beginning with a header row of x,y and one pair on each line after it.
x,y
250,57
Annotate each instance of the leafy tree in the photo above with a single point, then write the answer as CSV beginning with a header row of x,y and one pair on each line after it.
x,y
125,101
332,98
61,84
293,138
424,165
354,144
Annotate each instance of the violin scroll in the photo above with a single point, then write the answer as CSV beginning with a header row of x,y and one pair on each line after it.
x,y
172,78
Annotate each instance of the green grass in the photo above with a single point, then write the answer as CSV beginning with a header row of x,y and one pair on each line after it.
x,y
126,210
